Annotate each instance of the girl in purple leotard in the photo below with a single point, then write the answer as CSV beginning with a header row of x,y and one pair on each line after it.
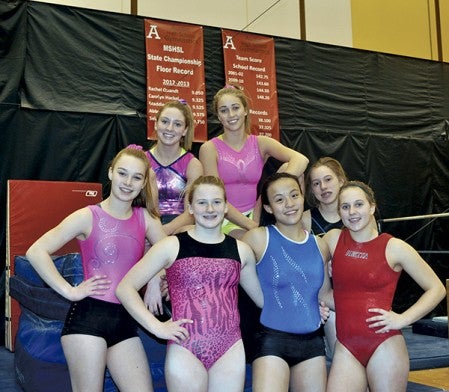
x,y
175,167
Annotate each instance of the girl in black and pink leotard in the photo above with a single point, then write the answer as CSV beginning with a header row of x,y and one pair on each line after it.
x,y
204,267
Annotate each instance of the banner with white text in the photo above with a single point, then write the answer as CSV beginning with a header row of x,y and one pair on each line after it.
x,y
175,70
249,61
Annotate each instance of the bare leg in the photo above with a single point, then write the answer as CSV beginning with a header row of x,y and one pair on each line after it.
x,y
184,372
86,359
309,376
270,373
346,374
228,373
388,368
128,364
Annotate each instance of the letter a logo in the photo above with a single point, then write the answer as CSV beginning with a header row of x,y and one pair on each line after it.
x,y
153,32
229,43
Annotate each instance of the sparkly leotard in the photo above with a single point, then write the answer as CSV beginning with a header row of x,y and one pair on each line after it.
x,y
203,287
171,183
113,247
291,274
363,279
240,172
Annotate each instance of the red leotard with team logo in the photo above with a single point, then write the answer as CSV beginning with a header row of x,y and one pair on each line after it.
x,y
362,280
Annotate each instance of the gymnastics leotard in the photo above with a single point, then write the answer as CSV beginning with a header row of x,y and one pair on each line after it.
x,y
362,279
171,183
113,247
203,287
291,274
240,172
321,226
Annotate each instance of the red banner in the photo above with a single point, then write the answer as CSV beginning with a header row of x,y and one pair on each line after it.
x,y
249,61
175,70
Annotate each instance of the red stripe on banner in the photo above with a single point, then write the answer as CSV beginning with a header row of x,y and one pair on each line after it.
x,y
175,70
249,61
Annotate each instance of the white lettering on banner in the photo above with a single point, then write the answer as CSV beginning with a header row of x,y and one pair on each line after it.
x,y
252,65
258,112
182,71
171,48
154,57
257,69
178,60
160,68
153,32
229,43
240,66
174,65
241,58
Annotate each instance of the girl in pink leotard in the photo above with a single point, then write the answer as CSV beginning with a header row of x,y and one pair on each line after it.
x,y
204,267
370,350
238,157
98,332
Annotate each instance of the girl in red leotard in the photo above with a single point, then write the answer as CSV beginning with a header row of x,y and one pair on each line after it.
x,y
370,349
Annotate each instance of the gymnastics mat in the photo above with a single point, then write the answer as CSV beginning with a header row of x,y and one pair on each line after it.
x,y
34,207
436,326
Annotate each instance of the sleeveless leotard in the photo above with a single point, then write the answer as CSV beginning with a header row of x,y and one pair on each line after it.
x,y
203,285
240,172
171,183
321,226
291,274
362,280
113,247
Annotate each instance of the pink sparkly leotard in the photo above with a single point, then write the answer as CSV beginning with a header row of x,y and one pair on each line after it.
x,y
113,247
240,171
203,284
362,280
